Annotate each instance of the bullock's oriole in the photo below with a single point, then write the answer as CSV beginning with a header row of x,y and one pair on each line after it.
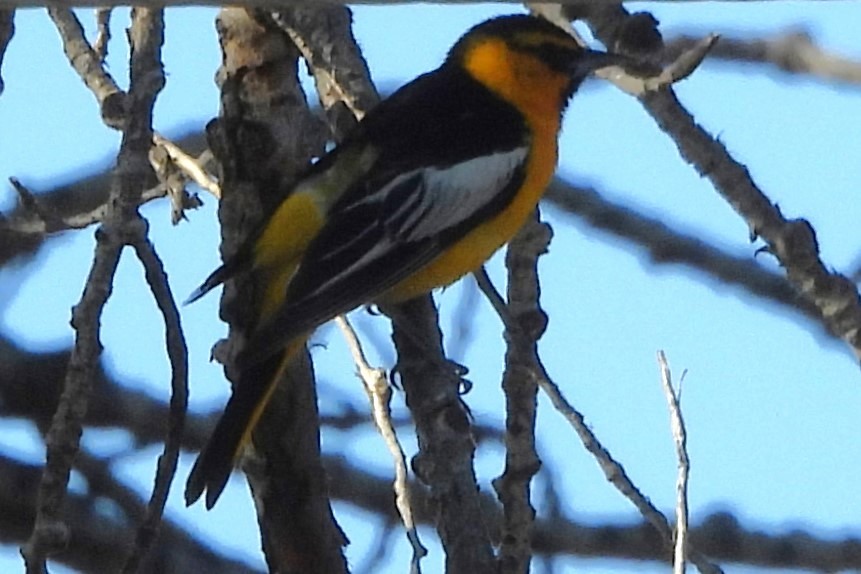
x,y
423,191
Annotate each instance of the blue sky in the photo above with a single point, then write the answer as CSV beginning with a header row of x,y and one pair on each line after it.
x,y
771,404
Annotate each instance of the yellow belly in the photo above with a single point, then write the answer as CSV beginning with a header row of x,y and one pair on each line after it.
x,y
281,246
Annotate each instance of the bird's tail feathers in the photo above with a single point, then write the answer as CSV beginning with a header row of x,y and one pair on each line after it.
x,y
230,268
250,396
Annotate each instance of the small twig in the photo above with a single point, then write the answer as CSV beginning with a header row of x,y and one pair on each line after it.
x,y
528,323
792,241
103,36
177,352
52,224
50,534
666,245
173,179
638,84
123,225
494,297
146,37
680,437
791,51
173,168
615,472
193,168
31,203
324,36
7,30
89,67
380,394
45,221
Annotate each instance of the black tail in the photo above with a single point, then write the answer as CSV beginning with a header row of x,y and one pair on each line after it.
x,y
250,396
230,268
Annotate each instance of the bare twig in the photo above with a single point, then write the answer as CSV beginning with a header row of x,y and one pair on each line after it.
x,y
173,168
494,297
666,245
278,4
146,37
53,224
177,352
636,77
443,428
324,37
103,36
193,168
791,51
173,180
7,30
39,218
31,203
638,84
677,424
380,395
615,472
89,67
50,533
527,325
122,225
792,241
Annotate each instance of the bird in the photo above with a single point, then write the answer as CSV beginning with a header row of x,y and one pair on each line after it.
x,y
423,190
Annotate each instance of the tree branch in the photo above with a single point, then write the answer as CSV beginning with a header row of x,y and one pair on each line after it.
x,y
122,225
791,241
525,323
669,246
380,396
113,404
100,538
264,136
7,30
273,4
791,51
89,66
680,438
177,352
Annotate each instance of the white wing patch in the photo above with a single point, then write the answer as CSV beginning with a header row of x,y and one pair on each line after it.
x,y
451,195
422,203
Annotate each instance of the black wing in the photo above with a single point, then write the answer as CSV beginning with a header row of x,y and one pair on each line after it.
x,y
450,154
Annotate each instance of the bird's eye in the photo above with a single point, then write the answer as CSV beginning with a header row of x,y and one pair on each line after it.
x,y
555,55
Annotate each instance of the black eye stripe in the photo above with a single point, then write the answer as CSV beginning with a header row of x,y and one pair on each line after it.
x,y
555,55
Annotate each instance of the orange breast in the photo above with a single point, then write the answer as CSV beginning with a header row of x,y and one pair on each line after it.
x,y
538,93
